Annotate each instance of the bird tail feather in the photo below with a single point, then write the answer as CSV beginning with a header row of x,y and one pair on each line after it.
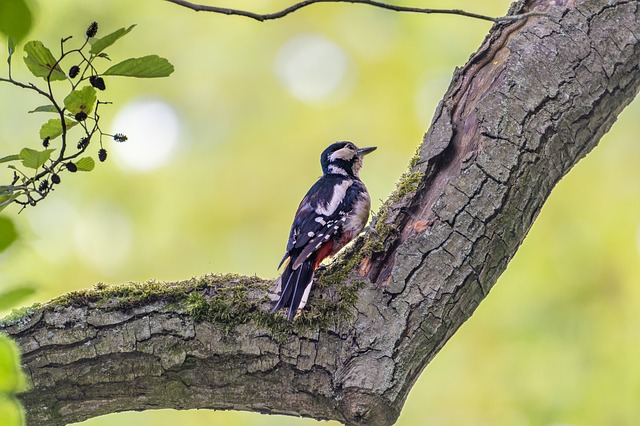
x,y
294,284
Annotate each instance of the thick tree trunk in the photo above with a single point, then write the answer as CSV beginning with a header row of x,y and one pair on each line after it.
x,y
536,97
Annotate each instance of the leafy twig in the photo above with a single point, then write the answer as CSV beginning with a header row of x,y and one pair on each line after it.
x,y
79,107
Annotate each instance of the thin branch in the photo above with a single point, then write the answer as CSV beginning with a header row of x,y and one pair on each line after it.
x,y
284,12
29,86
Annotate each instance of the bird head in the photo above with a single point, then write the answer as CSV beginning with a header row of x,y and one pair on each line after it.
x,y
343,158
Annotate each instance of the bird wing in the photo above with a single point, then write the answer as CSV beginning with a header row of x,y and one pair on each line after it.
x,y
321,214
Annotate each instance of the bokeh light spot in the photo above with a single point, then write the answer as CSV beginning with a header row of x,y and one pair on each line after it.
x,y
311,67
153,129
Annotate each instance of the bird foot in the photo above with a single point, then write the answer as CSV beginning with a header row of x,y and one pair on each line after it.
x,y
322,268
372,230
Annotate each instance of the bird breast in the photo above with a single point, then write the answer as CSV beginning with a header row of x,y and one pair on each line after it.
x,y
360,214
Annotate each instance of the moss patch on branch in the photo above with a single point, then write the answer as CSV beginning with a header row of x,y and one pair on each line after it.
x,y
19,314
382,225
125,296
228,300
230,306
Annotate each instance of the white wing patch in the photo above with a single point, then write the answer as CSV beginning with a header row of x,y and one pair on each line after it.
x,y
339,192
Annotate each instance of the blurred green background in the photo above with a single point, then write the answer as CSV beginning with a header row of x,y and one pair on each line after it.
x,y
220,153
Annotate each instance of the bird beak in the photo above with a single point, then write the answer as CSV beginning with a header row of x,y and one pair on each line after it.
x,y
367,150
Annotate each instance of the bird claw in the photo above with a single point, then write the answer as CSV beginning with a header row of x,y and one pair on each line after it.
x,y
372,230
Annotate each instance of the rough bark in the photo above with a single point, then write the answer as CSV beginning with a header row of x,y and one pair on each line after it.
x,y
531,102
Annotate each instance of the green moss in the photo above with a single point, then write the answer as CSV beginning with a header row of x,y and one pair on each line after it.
x,y
407,183
19,314
227,305
132,295
230,307
227,300
125,296
338,271
415,160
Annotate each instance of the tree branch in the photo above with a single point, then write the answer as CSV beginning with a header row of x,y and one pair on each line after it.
x,y
531,102
295,7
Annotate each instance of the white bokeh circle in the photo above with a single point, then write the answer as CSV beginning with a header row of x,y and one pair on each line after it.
x,y
311,67
152,127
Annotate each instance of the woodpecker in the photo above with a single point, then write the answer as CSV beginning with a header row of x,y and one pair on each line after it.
x,y
332,213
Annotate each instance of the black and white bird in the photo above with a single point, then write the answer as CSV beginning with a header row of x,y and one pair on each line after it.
x,y
334,211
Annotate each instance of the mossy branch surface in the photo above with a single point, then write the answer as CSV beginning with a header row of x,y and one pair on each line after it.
x,y
228,300
534,99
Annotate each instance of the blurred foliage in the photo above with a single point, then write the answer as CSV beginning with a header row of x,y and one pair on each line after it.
x,y
556,341
11,381
12,378
15,19
11,298
8,233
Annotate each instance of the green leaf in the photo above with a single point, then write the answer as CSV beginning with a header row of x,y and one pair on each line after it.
x,y
44,108
53,127
41,62
34,159
11,46
6,200
81,100
98,45
11,378
11,411
86,164
8,235
13,297
146,67
15,19
8,158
